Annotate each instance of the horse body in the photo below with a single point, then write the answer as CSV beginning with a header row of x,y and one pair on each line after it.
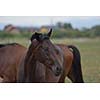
x,y
72,65
10,55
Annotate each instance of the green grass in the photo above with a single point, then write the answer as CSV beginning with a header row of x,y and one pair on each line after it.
x,y
90,54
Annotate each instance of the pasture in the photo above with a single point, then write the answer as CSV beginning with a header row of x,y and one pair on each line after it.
x,y
90,54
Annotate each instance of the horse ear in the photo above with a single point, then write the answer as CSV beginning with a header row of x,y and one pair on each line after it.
x,y
50,32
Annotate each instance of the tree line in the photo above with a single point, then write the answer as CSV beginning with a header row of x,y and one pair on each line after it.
x,y
66,30
60,30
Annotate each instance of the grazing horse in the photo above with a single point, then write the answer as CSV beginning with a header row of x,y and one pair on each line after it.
x,y
47,62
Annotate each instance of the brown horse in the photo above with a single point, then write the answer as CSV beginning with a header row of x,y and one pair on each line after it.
x,y
46,62
42,59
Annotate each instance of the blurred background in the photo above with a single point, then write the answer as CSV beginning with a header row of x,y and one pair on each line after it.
x,y
83,32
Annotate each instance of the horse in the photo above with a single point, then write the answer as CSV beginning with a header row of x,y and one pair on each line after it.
x,y
42,58
48,62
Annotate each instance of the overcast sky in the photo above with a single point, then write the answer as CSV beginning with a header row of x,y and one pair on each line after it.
x,y
77,22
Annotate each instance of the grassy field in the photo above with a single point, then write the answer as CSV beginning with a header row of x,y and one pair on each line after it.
x,y
90,54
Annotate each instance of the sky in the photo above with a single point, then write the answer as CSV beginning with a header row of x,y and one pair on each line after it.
x,y
76,21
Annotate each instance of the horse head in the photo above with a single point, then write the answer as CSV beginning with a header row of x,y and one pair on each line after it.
x,y
46,52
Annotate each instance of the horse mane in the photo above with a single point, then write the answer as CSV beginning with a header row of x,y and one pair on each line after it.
x,y
30,64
